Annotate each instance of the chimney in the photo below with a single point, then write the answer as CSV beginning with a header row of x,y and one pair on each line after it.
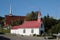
x,y
39,16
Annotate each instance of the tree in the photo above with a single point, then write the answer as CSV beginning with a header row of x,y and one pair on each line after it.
x,y
55,29
31,16
49,22
1,23
17,22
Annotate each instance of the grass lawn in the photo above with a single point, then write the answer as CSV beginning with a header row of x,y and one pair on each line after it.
x,y
4,30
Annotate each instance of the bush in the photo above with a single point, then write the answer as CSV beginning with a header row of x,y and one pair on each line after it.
x,y
38,35
34,35
1,33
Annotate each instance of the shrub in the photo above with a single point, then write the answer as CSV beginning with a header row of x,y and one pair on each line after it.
x,y
34,35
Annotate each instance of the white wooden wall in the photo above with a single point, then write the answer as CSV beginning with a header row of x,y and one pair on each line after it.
x,y
28,31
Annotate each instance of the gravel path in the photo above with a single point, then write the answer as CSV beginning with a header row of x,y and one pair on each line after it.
x,y
18,37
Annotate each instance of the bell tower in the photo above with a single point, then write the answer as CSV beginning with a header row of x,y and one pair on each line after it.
x,y
39,16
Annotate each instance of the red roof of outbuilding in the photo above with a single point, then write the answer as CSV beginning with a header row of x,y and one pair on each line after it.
x,y
28,24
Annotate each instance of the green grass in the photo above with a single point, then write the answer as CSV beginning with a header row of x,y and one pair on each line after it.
x,y
4,30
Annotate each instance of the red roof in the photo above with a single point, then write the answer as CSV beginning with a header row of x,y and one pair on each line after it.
x,y
28,24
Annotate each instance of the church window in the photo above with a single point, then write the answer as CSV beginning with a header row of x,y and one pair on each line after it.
x,y
32,31
24,31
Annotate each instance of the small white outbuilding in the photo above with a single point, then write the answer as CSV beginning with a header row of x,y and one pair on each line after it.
x,y
29,27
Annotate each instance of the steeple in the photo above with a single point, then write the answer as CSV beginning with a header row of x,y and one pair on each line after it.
x,y
10,13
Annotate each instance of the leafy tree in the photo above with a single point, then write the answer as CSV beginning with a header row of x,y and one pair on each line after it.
x,y
55,29
17,22
58,20
31,16
49,22
1,23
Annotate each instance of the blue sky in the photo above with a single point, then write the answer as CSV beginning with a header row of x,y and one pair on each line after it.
x,y
22,7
